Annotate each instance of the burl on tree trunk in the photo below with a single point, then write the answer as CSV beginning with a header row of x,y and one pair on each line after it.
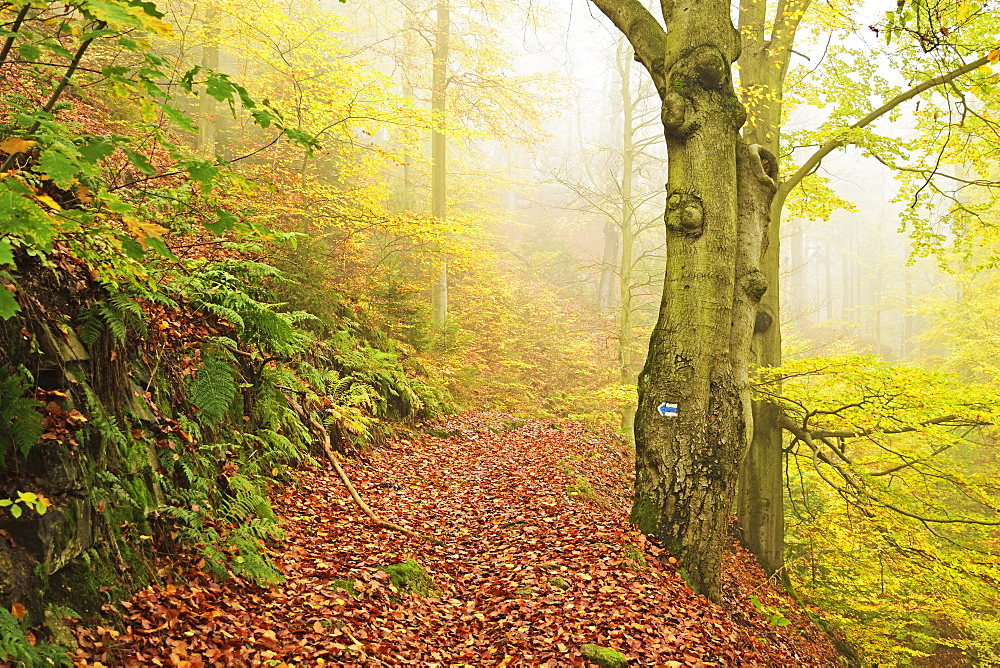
x,y
694,420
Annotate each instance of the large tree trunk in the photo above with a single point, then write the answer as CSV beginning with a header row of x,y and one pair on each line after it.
x,y
687,461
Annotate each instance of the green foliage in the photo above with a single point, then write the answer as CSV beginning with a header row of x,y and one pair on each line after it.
x,y
894,525
775,616
116,315
16,649
131,207
214,388
409,576
579,486
30,500
20,423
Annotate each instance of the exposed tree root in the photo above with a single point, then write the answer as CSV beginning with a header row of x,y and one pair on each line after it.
x,y
365,508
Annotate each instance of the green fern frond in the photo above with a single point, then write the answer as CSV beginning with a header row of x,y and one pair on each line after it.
x,y
214,388
91,327
20,424
224,312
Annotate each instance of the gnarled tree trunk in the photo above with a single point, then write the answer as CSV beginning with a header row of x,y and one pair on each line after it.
x,y
694,419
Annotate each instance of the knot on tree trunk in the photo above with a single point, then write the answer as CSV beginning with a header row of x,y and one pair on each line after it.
x,y
694,84
685,213
765,165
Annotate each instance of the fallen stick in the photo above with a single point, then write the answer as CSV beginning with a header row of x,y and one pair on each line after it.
x,y
332,456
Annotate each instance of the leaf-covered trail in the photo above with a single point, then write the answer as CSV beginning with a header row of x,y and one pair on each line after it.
x,y
499,500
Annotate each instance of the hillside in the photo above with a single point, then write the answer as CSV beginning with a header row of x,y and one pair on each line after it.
x,y
537,559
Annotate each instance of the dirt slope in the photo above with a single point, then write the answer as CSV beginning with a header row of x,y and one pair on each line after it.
x,y
517,505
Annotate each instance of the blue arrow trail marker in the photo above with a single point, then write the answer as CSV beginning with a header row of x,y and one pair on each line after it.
x,y
667,410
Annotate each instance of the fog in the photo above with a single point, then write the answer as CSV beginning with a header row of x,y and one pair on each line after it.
x,y
550,183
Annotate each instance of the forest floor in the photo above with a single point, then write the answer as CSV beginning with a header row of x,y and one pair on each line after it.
x,y
538,558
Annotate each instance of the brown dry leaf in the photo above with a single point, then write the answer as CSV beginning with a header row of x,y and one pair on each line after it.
x,y
499,502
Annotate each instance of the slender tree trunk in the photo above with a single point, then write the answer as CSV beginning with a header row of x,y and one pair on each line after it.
x,y
828,266
626,56
439,97
406,65
907,344
606,290
797,275
763,66
847,278
207,103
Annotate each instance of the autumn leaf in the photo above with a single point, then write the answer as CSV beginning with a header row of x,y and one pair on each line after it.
x,y
14,145
143,230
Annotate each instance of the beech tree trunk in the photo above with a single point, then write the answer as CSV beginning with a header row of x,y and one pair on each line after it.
x,y
439,192
207,103
763,66
694,421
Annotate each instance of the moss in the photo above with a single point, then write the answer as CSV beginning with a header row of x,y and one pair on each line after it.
x,y
511,424
559,582
634,558
344,585
603,656
86,584
61,634
580,485
411,577
645,516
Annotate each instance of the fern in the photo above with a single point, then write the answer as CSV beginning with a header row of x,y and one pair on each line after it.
x,y
214,388
116,314
17,649
20,424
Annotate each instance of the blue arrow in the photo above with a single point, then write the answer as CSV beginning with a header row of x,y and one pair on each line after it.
x,y
667,410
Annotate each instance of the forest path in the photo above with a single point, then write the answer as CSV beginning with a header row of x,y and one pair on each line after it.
x,y
538,559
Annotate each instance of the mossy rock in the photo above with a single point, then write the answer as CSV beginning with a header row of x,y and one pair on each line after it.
x,y
603,656
559,583
60,632
345,586
526,592
410,576
510,424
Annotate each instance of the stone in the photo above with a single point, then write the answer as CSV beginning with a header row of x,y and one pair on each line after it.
x,y
605,657
411,577
559,583
61,634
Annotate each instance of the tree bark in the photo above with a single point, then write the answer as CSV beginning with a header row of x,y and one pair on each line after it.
x,y
439,98
719,192
763,65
